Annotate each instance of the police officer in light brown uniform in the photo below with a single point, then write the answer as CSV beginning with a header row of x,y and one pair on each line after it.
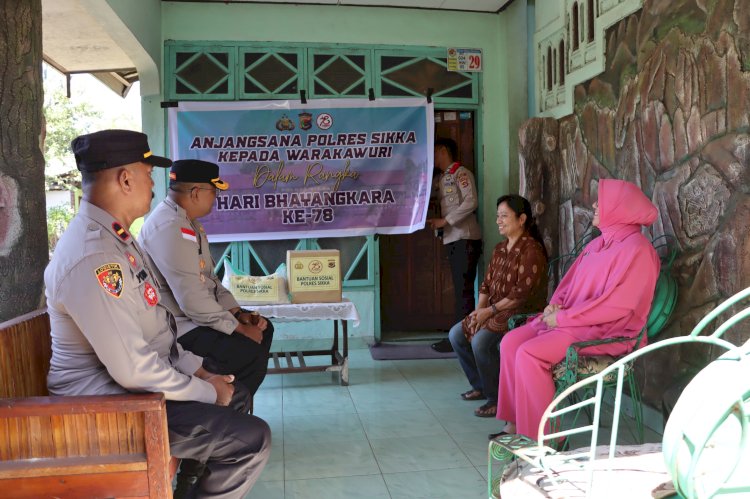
x,y
212,323
462,236
113,331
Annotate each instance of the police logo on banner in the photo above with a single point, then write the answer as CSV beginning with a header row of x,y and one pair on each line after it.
x,y
110,278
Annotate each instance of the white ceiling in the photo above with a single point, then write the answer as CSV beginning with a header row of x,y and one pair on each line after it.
x,y
75,42
466,5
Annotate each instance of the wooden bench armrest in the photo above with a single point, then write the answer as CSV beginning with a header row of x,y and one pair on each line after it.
x,y
83,404
75,435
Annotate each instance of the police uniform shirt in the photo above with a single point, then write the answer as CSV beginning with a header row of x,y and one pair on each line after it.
x,y
458,202
110,325
179,248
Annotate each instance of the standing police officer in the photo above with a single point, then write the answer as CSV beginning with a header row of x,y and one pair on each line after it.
x,y
113,331
462,235
212,323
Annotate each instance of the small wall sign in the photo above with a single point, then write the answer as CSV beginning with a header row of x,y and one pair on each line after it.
x,y
462,59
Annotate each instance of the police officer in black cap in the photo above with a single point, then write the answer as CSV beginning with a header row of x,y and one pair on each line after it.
x,y
112,326
212,324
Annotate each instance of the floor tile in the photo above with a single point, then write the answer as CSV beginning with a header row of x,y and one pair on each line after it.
x,y
461,419
315,400
375,375
323,428
393,397
271,381
266,490
445,395
367,486
474,445
317,378
463,483
313,460
267,403
418,454
398,431
274,470
395,424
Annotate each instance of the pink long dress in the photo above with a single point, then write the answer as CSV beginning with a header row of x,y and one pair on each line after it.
x,y
606,293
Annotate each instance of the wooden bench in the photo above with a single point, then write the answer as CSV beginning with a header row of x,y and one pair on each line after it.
x,y
73,447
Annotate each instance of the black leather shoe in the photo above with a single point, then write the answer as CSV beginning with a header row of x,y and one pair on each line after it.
x,y
442,346
190,472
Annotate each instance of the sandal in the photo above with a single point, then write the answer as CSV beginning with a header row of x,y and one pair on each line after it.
x,y
493,436
488,410
473,395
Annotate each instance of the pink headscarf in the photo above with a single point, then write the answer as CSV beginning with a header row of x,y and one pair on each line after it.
x,y
623,208
608,290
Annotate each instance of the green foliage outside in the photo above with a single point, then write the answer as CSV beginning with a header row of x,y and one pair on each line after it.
x,y
91,107
58,218
65,119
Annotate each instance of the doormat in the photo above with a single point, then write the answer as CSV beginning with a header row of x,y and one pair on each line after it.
x,y
406,351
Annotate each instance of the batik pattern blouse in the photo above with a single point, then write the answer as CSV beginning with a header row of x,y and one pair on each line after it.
x,y
519,274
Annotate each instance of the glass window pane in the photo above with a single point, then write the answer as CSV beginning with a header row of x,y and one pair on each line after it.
x,y
349,247
424,74
389,90
271,73
182,89
181,57
390,61
272,253
357,90
252,57
202,73
290,58
339,75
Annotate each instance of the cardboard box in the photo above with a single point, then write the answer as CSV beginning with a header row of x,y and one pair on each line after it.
x,y
251,290
314,276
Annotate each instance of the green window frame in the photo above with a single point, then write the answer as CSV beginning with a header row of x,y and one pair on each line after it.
x,y
319,70
270,72
330,68
201,72
391,66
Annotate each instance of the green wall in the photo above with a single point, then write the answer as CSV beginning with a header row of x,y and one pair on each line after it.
x,y
502,37
385,26
144,22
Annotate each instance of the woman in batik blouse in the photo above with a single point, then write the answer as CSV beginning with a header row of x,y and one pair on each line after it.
x,y
515,283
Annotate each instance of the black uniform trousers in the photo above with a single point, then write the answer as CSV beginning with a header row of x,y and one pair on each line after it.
x,y
234,445
463,256
231,353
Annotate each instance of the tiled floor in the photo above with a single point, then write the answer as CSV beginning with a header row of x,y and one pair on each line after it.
x,y
398,431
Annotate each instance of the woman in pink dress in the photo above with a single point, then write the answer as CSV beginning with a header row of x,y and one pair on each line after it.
x,y
606,293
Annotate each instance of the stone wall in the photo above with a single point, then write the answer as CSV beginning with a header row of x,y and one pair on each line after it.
x,y
671,114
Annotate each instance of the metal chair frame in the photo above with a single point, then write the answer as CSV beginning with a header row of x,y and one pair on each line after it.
x,y
541,453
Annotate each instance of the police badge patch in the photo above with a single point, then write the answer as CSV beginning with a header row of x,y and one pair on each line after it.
x,y
109,276
463,179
